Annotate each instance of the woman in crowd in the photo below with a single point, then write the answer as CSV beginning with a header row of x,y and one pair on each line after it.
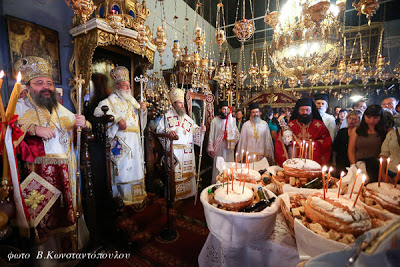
x,y
340,145
272,123
391,148
366,140
341,117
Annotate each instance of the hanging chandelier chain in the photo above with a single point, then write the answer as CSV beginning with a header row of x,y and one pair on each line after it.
x,y
237,10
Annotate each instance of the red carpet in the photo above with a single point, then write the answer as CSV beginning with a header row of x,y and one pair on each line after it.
x,y
143,228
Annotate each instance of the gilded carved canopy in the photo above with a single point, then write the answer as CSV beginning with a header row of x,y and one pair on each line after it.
x,y
99,32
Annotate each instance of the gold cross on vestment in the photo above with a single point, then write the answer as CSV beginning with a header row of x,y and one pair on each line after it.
x,y
34,199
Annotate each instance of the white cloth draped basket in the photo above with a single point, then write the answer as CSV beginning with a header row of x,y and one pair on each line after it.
x,y
239,228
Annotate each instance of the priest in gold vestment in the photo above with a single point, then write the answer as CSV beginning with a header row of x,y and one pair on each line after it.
x,y
46,202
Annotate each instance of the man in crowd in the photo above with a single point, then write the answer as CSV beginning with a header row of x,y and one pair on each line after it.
x,y
255,138
126,146
360,105
390,103
223,137
337,110
48,179
306,124
321,101
177,123
240,120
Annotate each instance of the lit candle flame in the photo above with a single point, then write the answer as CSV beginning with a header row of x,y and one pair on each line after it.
x,y
342,174
364,178
330,169
358,171
1,74
19,76
324,169
381,160
388,160
398,167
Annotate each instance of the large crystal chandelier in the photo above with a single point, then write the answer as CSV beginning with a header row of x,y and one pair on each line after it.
x,y
306,37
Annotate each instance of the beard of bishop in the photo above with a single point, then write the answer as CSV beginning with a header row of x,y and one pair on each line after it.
x,y
49,103
126,95
305,119
256,119
180,111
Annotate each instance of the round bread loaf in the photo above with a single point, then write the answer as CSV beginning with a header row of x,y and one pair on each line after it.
x,y
250,176
337,214
236,199
386,195
302,168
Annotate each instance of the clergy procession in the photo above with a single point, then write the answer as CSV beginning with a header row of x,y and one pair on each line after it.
x,y
147,156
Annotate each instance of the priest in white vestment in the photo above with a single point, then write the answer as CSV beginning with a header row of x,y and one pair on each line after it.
x,y
321,101
255,138
127,157
177,123
223,137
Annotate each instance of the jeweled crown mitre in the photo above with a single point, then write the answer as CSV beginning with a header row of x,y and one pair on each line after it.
x,y
32,67
176,94
119,74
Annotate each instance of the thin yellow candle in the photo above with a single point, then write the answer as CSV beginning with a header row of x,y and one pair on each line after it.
x,y
397,176
227,184
248,168
2,112
301,149
294,147
380,172
244,182
232,174
355,180
359,191
340,183
312,151
329,178
254,159
323,179
304,149
305,158
387,169
241,176
13,98
236,160
223,177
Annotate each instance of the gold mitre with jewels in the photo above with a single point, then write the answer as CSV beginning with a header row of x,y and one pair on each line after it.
x,y
176,94
119,74
32,67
